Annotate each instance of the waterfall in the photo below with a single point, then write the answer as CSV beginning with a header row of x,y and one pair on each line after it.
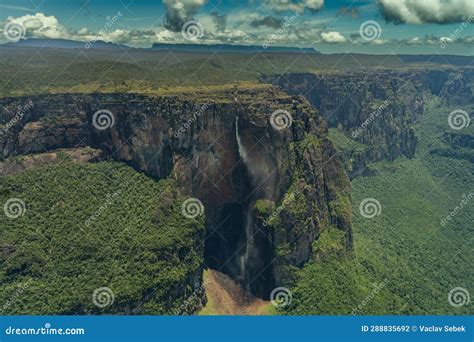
x,y
242,150
250,165
254,257
248,217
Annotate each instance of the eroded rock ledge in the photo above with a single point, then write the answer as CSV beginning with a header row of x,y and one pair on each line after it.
x,y
193,140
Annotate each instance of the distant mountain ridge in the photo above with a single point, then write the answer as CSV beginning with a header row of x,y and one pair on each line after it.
x,y
66,44
229,48
203,48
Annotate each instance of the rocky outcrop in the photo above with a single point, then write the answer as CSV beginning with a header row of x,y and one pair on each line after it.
x,y
458,89
376,109
365,108
26,162
223,150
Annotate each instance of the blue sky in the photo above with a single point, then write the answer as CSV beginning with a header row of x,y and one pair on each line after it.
x,y
393,26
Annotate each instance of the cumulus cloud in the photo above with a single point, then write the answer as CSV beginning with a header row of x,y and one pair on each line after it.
x,y
426,11
40,26
83,31
332,37
295,6
180,11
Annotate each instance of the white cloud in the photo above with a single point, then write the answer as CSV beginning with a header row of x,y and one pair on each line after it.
x,y
303,32
295,6
433,40
379,42
414,40
313,4
40,26
83,31
333,37
426,11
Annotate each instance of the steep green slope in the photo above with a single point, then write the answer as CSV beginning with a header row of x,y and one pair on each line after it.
x,y
92,226
406,260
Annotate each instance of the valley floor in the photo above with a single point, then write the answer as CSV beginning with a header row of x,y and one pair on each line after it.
x,y
227,297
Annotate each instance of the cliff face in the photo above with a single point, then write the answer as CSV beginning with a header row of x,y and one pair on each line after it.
x,y
223,151
376,109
